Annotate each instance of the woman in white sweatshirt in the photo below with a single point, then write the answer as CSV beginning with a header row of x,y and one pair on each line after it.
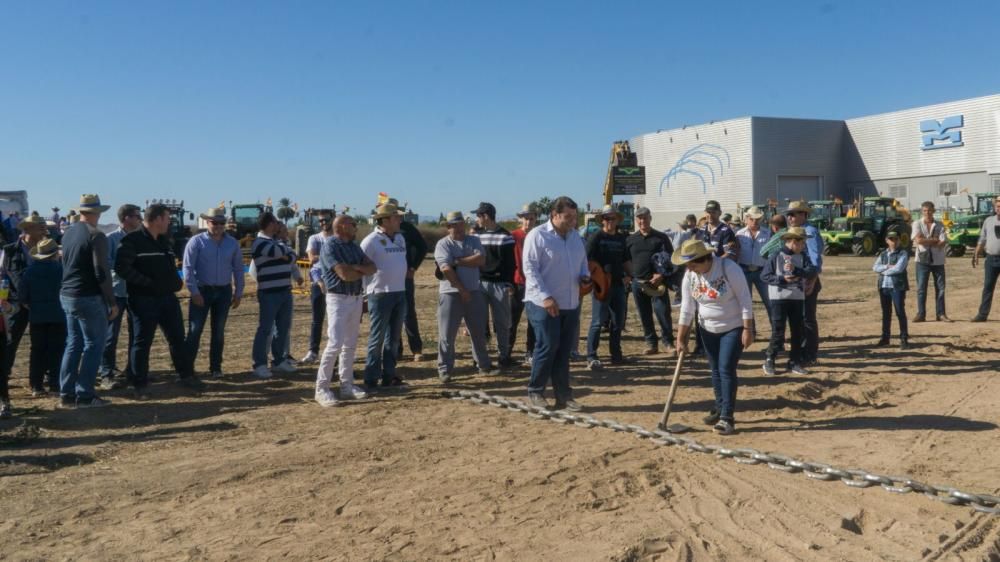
x,y
717,291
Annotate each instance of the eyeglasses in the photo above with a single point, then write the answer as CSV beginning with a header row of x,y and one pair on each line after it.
x,y
218,222
702,259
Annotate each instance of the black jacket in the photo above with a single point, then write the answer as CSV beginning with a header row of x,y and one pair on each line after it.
x,y
416,246
147,265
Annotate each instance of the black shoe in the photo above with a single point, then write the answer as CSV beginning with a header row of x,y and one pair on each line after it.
x,y
67,403
620,360
882,342
506,363
712,418
5,411
725,427
192,382
769,367
978,318
919,318
140,393
904,344
95,402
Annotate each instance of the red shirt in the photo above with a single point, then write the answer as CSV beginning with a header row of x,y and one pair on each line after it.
x,y
518,236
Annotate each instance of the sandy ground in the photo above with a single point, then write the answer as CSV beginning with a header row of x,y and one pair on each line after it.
x,y
256,470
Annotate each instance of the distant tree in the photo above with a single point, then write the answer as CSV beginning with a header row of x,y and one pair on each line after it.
x,y
285,210
544,205
360,218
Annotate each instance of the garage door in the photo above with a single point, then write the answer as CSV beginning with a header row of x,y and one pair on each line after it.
x,y
793,188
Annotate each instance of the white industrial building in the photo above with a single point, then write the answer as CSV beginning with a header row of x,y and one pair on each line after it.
x,y
913,155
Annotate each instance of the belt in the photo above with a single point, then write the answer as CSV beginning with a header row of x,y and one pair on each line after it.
x,y
213,286
750,268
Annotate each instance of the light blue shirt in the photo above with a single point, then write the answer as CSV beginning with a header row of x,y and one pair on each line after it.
x,y
114,242
814,247
553,266
888,271
207,262
750,246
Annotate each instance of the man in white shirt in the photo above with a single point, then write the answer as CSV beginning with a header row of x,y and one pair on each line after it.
x,y
929,241
751,239
386,291
555,268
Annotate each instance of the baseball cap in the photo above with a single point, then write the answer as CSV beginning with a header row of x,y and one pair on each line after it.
x,y
485,208
712,205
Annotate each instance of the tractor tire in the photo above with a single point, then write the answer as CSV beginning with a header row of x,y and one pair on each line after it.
x,y
905,242
829,250
955,251
864,245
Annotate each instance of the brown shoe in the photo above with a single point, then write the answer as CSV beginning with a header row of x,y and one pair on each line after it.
x,y
651,351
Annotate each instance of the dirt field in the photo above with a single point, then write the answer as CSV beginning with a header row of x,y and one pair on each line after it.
x,y
256,470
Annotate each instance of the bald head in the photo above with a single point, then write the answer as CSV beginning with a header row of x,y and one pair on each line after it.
x,y
344,227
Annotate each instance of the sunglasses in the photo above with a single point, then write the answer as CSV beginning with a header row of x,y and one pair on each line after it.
x,y
702,259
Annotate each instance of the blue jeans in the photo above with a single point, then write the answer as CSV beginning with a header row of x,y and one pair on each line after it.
x,y
554,340
275,320
110,360
613,309
648,308
86,334
890,298
148,314
723,351
924,273
991,270
217,303
755,282
387,311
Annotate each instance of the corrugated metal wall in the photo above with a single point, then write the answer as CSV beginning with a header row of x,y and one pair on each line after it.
x,y
884,151
687,167
797,147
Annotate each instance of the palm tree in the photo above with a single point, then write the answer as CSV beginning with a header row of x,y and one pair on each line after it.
x,y
285,211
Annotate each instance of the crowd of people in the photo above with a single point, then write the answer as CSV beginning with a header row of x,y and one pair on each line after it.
x,y
73,299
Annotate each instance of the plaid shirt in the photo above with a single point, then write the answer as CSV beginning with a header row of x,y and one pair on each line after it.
x,y
336,251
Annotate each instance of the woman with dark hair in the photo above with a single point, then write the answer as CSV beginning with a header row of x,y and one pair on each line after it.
x,y
716,289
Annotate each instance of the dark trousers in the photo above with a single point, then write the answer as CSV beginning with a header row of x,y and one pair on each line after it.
x,y
16,329
991,270
516,310
648,308
48,341
217,303
612,312
110,360
892,298
924,273
810,329
148,313
410,325
723,352
556,340
786,312
317,298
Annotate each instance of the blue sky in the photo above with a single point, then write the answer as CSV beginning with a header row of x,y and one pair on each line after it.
x,y
441,104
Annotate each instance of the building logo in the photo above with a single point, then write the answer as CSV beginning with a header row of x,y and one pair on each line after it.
x,y
942,134
700,161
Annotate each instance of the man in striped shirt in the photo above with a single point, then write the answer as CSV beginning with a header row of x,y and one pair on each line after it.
x,y
496,275
274,263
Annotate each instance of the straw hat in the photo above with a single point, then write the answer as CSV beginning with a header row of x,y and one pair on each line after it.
x,y
754,213
45,249
91,203
600,282
794,233
387,210
530,209
216,214
609,210
651,290
691,250
454,217
31,220
798,207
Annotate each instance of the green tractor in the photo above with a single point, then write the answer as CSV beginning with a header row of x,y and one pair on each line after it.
x,y
862,231
825,212
964,227
308,226
178,232
242,224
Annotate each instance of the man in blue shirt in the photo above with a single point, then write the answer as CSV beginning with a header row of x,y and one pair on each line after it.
x,y
129,220
343,265
797,213
213,264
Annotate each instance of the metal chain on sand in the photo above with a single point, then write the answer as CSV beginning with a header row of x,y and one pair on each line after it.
x,y
855,478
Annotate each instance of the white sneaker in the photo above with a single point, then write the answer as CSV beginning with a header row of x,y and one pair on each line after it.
x,y
285,367
310,358
262,372
595,365
326,398
352,392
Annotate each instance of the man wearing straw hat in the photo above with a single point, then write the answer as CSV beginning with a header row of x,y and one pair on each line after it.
x,y
129,220
416,252
213,273
529,218
147,264
89,303
15,258
752,239
385,246
459,257
606,249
